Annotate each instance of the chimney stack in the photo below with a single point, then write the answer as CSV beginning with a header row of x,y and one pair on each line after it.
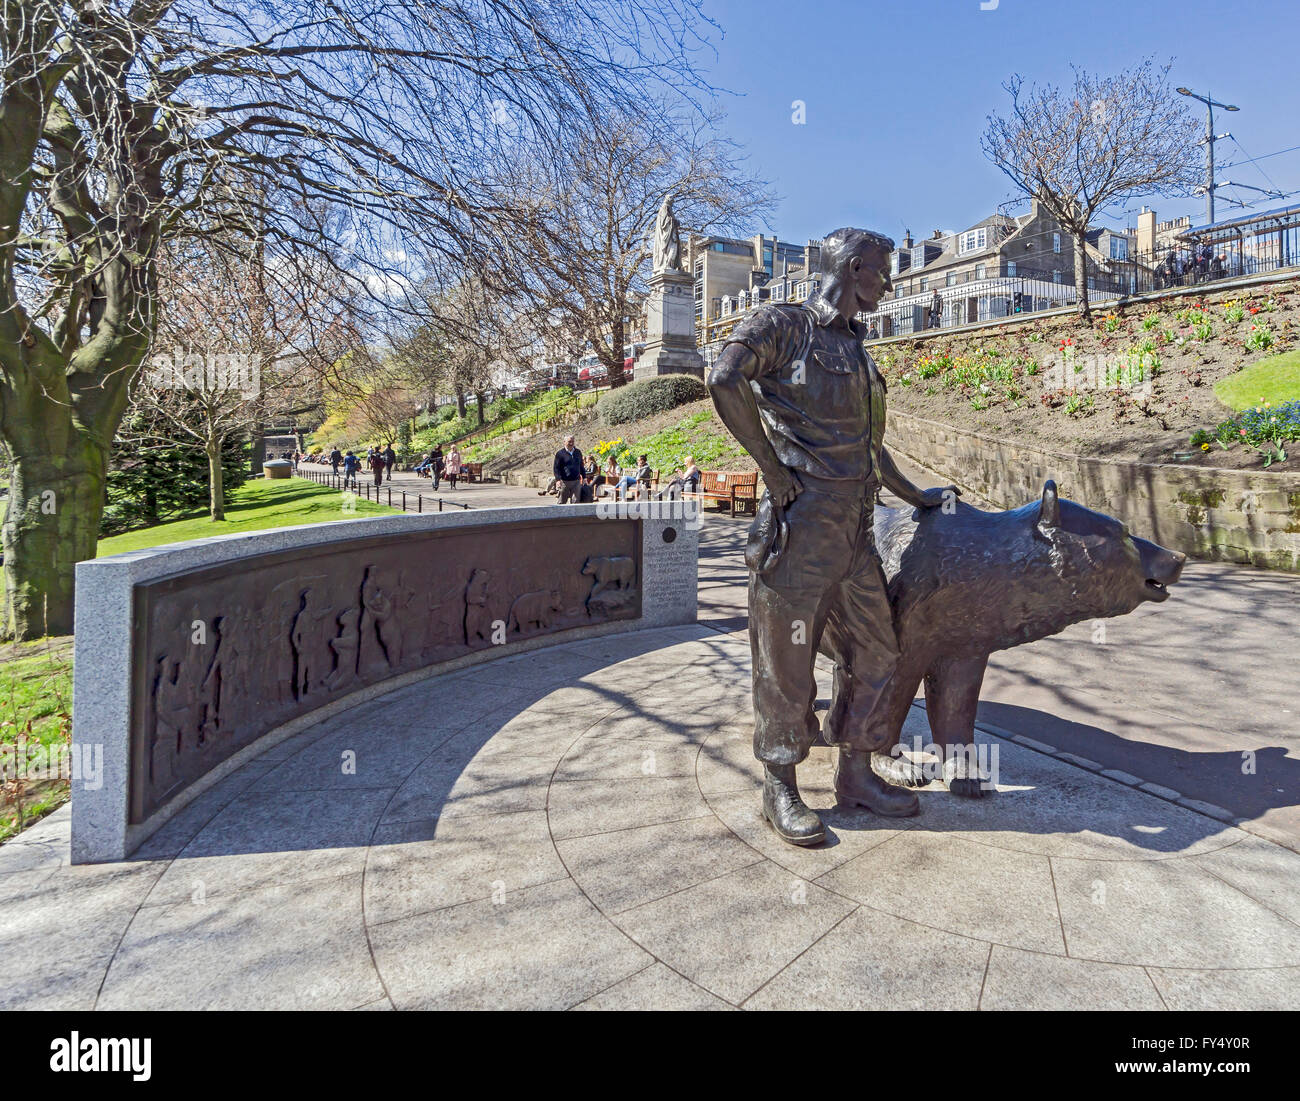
x,y
1146,232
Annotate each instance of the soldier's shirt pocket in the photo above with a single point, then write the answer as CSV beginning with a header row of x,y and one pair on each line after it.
x,y
838,363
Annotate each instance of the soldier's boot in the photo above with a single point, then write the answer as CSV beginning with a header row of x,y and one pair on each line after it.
x,y
785,810
857,785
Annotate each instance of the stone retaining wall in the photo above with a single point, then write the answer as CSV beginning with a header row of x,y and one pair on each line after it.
x,y
1246,516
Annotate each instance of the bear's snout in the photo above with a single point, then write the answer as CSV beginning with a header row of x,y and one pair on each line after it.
x,y
1162,567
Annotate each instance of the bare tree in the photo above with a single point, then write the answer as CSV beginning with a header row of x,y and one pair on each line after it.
x,y
582,243
1107,139
130,122
382,397
235,345
471,339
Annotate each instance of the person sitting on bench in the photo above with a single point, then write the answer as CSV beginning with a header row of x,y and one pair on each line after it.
x,y
686,480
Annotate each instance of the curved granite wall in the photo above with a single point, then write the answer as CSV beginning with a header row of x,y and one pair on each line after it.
x,y
1246,516
190,659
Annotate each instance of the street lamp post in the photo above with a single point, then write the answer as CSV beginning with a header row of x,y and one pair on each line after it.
x,y
1210,138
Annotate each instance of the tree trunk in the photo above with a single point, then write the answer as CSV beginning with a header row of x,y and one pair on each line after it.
x,y
56,502
478,398
617,376
460,402
1081,277
216,482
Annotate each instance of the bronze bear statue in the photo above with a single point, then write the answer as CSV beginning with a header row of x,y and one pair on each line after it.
x,y
965,583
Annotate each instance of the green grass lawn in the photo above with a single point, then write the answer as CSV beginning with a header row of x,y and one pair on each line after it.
x,y
36,677
255,506
1276,379
35,711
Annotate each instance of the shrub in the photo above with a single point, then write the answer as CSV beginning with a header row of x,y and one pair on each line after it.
x,y
644,399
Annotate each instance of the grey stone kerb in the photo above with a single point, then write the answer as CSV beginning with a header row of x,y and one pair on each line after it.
x,y
105,632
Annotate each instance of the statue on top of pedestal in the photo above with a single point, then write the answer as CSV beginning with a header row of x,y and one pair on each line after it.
x,y
667,243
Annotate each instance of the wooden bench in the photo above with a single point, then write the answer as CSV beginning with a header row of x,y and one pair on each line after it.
x,y
473,472
629,492
735,490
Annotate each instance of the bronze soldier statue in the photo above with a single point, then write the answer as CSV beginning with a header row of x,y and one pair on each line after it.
x,y
796,387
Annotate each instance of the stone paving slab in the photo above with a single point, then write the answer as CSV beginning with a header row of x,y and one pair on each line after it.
x,y
514,837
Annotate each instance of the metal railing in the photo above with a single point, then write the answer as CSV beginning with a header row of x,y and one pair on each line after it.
x,y
533,415
995,299
406,501
972,303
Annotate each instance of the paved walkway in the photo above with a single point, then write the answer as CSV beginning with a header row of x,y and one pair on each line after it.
x,y
473,494
580,829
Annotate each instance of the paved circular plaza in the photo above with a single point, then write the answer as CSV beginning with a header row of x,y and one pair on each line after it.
x,y
579,828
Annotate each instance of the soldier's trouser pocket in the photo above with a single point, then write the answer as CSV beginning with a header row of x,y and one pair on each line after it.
x,y
762,534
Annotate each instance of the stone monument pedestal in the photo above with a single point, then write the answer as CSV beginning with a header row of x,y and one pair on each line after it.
x,y
670,328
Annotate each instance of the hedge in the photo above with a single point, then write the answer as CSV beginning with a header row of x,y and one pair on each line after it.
x,y
643,399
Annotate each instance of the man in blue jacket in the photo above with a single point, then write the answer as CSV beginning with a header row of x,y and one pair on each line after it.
x,y
568,471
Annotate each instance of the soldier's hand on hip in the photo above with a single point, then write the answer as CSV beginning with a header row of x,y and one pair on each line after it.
x,y
783,485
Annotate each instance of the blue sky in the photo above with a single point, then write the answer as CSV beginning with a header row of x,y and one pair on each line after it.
x,y
897,95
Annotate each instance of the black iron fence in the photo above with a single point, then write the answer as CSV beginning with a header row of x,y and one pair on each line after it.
x,y
970,304
1186,264
406,500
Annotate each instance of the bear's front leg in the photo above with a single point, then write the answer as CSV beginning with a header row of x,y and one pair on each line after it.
x,y
952,693
899,770
963,775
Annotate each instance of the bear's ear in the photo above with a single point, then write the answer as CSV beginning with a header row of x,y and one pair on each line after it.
x,y
1049,511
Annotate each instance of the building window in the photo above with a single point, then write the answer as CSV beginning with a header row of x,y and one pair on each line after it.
x,y
1056,242
898,292
979,271
925,284
951,280
893,262
1119,248
918,257
973,241
1011,267
1056,276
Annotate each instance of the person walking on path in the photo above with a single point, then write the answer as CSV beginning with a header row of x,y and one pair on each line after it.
x,y
453,466
438,465
377,465
336,457
567,469
351,465
390,459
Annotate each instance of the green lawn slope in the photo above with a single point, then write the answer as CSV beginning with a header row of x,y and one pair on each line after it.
x,y
1275,380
